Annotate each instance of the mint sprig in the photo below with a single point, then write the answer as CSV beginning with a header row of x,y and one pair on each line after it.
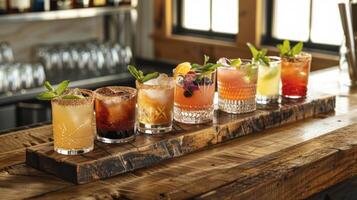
x,y
139,75
286,50
207,67
259,56
52,93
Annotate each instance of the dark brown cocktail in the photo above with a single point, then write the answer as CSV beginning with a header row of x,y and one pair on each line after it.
x,y
115,114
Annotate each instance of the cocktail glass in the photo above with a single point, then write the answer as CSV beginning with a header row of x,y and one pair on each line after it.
x,y
194,94
155,105
295,75
268,81
237,87
73,123
115,114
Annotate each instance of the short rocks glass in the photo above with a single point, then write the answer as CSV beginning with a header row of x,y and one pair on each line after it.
x,y
115,114
295,75
73,123
268,81
237,86
155,105
194,94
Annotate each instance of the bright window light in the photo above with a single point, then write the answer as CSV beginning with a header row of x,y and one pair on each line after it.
x,y
225,16
326,23
291,19
196,14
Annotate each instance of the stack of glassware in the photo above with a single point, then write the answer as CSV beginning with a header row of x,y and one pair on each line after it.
x,y
85,59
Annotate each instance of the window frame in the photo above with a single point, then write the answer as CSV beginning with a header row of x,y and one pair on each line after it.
x,y
269,39
179,29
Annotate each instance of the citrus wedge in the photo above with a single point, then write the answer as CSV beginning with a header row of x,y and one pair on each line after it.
x,y
182,69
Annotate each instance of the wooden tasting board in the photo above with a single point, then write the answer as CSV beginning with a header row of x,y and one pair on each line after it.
x,y
107,160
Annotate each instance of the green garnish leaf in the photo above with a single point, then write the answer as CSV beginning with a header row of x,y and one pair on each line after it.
x,y
48,86
259,56
297,48
150,76
206,59
45,96
253,50
195,66
62,87
139,75
134,72
52,93
72,96
286,50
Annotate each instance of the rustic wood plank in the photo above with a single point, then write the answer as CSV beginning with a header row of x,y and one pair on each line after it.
x,y
163,180
110,160
183,170
156,181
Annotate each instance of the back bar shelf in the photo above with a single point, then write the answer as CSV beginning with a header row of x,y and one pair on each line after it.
x,y
65,14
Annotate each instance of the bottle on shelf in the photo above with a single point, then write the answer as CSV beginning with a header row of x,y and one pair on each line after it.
x,y
3,7
18,6
81,3
98,3
41,5
114,2
63,5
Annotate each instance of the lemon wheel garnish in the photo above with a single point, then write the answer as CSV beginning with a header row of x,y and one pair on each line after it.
x,y
182,68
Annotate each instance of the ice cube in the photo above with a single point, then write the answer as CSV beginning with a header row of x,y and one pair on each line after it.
x,y
159,95
74,91
163,79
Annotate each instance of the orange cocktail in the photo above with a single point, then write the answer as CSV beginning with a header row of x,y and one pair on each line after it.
x,y
194,94
73,123
237,86
295,74
155,105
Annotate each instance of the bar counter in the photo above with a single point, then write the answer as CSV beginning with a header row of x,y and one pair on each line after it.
x,y
294,161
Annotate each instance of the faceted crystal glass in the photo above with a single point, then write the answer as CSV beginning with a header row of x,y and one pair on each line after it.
x,y
115,114
237,88
295,75
268,84
194,94
155,107
73,124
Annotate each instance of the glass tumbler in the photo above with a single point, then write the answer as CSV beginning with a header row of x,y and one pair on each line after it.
x,y
155,107
194,94
115,114
73,123
268,84
237,88
295,75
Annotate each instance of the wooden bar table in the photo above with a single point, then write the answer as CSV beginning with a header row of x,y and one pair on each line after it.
x,y
293,161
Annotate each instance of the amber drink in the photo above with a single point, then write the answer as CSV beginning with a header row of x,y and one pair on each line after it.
x,y
115,114
73,123
237,86
155,105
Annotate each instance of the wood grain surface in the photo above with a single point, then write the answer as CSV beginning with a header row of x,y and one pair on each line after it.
x,y
293,161
108,160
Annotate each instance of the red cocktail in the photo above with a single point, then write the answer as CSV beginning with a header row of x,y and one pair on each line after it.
x,y
295,75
